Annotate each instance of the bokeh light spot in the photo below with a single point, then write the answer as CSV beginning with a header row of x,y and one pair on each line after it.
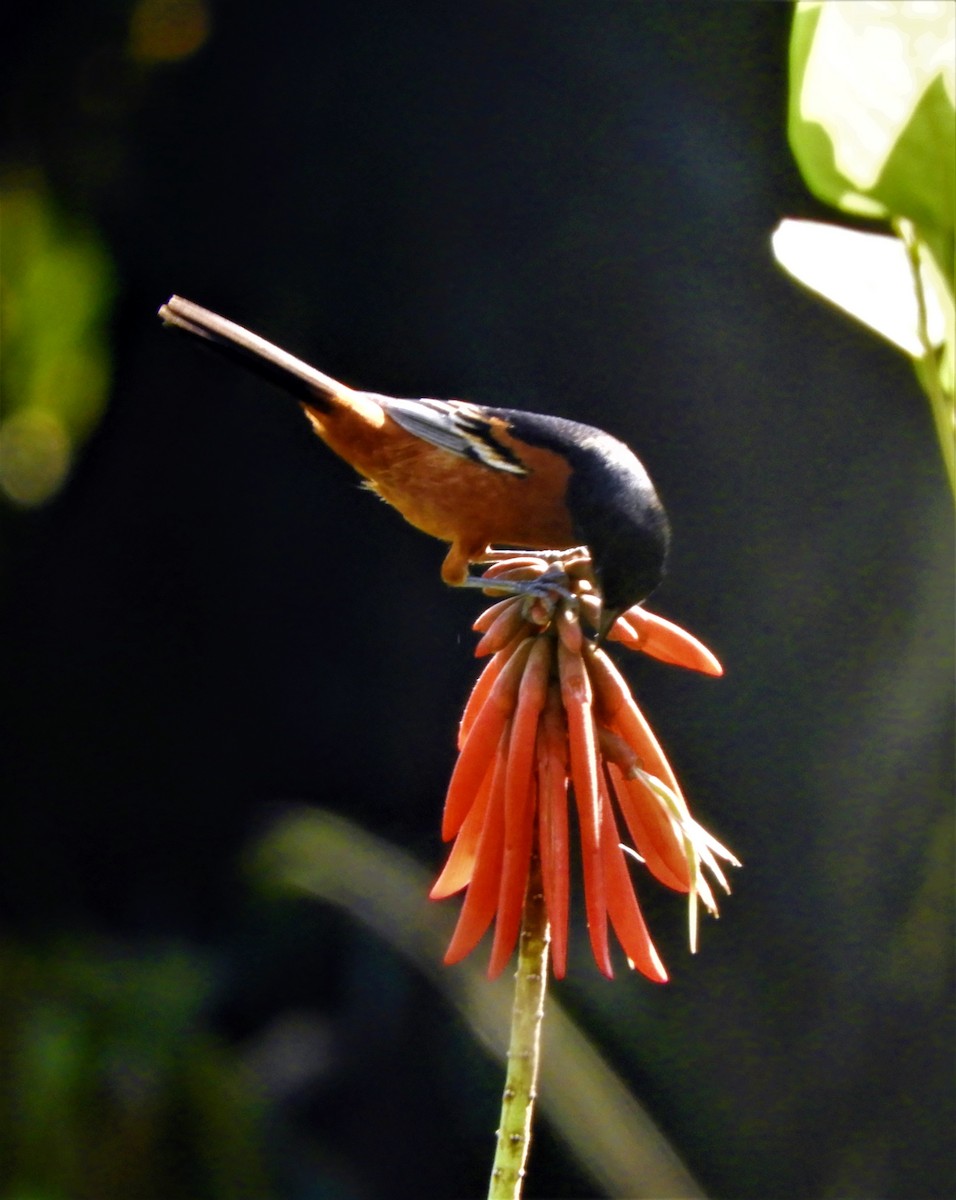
x,y
34,456
167,30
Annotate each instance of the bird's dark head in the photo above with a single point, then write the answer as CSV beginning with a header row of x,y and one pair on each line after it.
x,y
619,517
613,506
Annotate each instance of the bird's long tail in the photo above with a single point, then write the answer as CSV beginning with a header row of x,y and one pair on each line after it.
x,y
254,353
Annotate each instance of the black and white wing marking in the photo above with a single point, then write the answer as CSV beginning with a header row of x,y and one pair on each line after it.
x,y
464,429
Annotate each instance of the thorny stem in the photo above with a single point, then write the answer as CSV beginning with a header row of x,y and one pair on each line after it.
x,y
517,1101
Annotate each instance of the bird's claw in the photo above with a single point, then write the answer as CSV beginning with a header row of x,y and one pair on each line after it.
x,y
543,595
547,585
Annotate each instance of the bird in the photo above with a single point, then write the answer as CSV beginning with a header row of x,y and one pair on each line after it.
x,y
473,476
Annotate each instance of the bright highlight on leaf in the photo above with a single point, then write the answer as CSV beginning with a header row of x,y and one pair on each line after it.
x,y
868,275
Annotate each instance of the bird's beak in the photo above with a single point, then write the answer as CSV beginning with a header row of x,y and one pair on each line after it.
x,y
606,623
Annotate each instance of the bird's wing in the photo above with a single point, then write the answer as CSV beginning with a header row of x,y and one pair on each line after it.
x,y
455,425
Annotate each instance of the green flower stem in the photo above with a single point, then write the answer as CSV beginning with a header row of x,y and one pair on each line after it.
x,y
521,1080
927,368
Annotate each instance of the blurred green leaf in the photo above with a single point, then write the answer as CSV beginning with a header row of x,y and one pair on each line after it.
x,y
872,126
872,117
56,286
112,1087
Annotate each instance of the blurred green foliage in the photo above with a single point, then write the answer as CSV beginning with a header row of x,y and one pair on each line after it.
x,y
113,1088
57,279
872,117
872,126
56,282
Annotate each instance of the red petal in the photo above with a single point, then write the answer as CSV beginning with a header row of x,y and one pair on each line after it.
x,y
482,741
519,803
521,566
622,906
485,619
474,763
481,899
611,692
524,729
553,826
652,831
652,828
516,861
505,627
641,630
460,866
483,685
576,696
569,630
626,719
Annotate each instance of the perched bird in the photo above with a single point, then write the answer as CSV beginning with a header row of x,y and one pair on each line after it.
x,y
473,476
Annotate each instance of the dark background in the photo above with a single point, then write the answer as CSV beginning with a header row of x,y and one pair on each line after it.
x,y
560,207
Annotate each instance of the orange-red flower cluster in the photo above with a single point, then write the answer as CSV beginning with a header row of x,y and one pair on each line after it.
x,y
551,710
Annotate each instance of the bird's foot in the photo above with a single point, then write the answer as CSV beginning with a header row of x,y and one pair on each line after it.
x,y
552,585
552,582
